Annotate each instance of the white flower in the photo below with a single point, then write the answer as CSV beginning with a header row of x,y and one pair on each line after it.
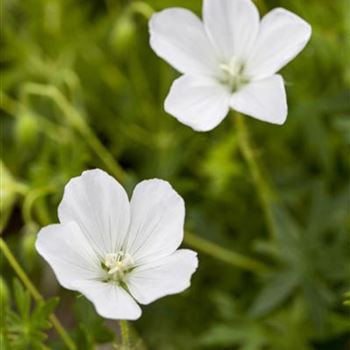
x,y
228,61
115,252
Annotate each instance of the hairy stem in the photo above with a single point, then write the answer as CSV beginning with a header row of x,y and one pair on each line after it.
x,y
263,188
35,293
76,120
125,334
141,8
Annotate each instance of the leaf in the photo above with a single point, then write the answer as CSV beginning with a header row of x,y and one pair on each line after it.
x,y
25,329
41,314
247,335
277,290
22,298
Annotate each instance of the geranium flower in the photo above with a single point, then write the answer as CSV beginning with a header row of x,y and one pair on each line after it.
x,y
115,252
228,61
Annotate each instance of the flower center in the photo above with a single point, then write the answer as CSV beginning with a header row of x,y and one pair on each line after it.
x,y
117,265
232,74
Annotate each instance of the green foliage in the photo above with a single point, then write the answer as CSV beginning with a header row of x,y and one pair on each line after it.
x,y
304,253
347,298
91,329
25,327
79,72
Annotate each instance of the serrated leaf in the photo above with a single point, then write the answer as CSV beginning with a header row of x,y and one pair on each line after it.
x,y
277,290
43,311
22,298
25,328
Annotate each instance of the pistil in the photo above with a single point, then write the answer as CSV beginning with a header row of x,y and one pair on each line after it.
x,y
233,74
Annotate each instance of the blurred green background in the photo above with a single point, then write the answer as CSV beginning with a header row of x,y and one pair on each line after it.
x,y
81,88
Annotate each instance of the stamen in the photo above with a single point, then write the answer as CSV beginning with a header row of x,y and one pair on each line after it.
x,y
117,265
233,74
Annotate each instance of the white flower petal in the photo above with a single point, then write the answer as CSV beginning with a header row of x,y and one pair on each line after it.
x,y
281,37
166,276
199,103
100,206
110,300
178,36
262,99
69,253
232,26
157,221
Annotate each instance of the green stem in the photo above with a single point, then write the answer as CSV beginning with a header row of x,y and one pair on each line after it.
x,y
223,254
141,8
76,121
34,292
125,334
263,189
29,200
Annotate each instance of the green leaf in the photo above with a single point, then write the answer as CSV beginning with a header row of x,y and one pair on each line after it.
x,y
22,298
247,335
25,329
278,288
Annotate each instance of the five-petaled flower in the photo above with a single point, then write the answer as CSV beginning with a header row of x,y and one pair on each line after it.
x,y
115,252
228,61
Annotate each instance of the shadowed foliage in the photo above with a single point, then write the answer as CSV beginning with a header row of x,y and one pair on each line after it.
x,y
81,88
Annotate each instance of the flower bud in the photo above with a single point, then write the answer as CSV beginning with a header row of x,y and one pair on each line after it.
x,y
123,34
26,130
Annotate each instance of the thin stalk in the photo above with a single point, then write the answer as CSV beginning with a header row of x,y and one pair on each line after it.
x,y
223,254
76,121
125,334
263,188
15,109
35,293
29,200
141,8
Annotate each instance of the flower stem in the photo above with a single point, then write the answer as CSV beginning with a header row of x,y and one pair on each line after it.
x,y
35,293
29,200
142,8
223,254
263,189
78,122
125,335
